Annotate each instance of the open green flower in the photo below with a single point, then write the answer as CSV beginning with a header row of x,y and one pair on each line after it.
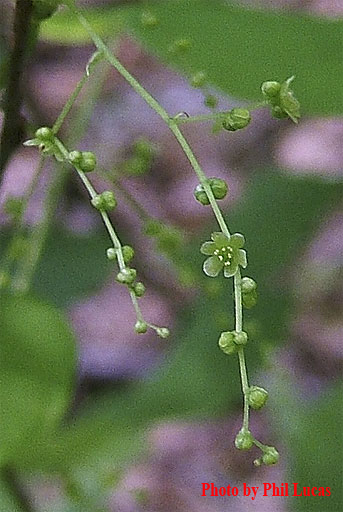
x,y
225,253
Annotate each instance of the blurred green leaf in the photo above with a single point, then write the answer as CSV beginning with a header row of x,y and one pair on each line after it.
x,y
7,501
72,266
276,213
64,28
316,458
240,47
37,364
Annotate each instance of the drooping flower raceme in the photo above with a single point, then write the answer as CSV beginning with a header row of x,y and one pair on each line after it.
x,y
225,252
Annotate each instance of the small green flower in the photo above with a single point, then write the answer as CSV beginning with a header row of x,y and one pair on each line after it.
x,y
225,253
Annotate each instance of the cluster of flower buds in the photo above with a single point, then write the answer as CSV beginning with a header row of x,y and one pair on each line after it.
x,y
231,341
84,160
219,189
127,275
281,99
104,202
269,458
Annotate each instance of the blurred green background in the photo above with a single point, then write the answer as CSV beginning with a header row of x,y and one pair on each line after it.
x,y
83,433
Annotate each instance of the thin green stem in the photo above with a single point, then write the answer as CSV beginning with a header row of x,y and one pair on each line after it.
x,y
108,224
72,98
198,119
173,125
183,119
111,178
260,445
241,355
25,272
201,175
150,100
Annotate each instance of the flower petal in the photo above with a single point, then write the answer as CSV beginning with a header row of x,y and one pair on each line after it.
x,y
208,248
220,239
237,240
242,258
230,270
212,266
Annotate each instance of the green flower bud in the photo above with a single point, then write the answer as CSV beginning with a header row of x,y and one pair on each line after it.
x,y
97,202
200,195
198,79
244,440
141,327
139,289
109,201
271,456
75,157
258,462
236,119
111,253
210,101
127,276
104,202
227,344
257,397
128,253
163,332
248,285
45,134
271,89
219,189
240,338
149,20
249,300
88,161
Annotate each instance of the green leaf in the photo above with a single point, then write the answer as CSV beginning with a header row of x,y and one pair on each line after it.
x,y
239,48
37,364
72,266
7,501
199,381
64,28
316,459
312,438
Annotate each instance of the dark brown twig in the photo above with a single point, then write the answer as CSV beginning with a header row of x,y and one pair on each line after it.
x,y
12,127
